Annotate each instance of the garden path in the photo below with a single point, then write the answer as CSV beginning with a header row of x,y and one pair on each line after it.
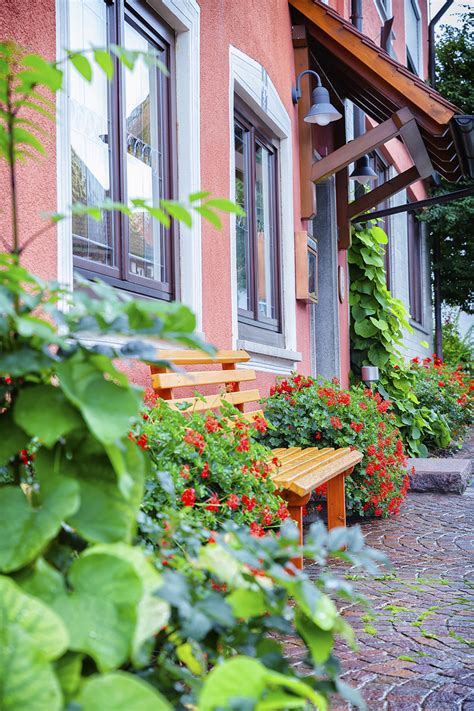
x,y
414,650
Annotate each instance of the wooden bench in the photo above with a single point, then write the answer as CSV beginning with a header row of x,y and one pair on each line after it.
x,y
302,469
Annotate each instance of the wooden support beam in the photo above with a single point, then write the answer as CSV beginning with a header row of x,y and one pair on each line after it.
x,y
307,188
366,143
410,133
384,191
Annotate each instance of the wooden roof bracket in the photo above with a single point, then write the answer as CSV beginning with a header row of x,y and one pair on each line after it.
x,y
401,123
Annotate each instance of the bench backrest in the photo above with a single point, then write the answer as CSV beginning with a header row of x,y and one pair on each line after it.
x,y
225,379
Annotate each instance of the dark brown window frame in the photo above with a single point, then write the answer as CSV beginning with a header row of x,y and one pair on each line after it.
x,y
252,325
143,19
415,269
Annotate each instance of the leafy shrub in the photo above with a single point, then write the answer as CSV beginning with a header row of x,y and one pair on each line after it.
x,y
447,392
211,466
456,349
302,412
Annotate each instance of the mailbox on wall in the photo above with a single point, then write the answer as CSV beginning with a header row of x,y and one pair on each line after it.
x,y
306,258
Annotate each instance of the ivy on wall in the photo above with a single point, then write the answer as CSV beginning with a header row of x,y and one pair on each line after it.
x,y
377,321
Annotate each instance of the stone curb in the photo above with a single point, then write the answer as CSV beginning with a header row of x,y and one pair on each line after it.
x,y
445,476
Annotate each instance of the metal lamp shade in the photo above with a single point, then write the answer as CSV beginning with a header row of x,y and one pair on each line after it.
x,y
370,373
363,172
322,111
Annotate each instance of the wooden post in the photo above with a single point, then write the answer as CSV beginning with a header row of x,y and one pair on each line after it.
x,y
295,507
336,501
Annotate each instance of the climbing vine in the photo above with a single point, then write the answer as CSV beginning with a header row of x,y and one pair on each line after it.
x,y
376,328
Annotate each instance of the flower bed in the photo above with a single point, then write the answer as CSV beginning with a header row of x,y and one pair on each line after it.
x,y
302,412
447,392
208,466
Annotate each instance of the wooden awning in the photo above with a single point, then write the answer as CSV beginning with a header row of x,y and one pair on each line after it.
x,y
361,71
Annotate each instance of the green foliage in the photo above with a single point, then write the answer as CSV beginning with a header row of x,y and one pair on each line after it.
x,y
377,318
447,392
215,468
451,223
303,413
457,350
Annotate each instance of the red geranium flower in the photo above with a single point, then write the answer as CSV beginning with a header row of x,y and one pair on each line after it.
x,y
336,423
188,497
233,501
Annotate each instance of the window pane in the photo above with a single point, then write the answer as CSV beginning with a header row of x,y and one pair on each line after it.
x,y
242,225
266,267
90,131
145,164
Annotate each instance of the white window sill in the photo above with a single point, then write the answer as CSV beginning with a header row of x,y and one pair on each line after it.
x,y
268,358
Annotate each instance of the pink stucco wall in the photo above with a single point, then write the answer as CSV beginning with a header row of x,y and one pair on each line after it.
x,y
32,25
263,33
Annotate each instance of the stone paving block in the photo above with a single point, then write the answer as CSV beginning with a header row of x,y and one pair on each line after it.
x,y
429,546
447,476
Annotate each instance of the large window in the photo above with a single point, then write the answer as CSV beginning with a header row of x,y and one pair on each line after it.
x,y
257,244
415,279
122,147
413,36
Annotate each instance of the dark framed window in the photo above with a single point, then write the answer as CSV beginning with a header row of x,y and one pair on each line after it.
x,y
415,278
257,234
122,147
383,175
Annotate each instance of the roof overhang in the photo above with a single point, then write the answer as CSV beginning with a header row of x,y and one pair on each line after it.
x,y
359,70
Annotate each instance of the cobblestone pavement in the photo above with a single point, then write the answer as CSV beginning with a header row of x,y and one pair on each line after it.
x,y
416,642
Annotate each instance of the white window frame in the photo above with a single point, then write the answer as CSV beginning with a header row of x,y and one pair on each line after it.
x,y
250,81
417,10
184,17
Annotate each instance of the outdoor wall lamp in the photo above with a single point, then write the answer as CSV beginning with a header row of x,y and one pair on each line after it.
x,y
321,111
363,172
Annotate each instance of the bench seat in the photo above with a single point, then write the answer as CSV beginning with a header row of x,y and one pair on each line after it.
x,y
302,470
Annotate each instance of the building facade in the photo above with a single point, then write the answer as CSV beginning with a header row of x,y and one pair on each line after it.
x,y
222,119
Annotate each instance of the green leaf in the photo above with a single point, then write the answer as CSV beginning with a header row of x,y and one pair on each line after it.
x,y
23,137
106,514
200,195
82,65
39,71
108,408
425,344
210,216
12,438
68,670
225,205
177,211
119,690
29,412
26,529
105,62
31,637
112,611
247,603
365,328
379,323
320,642
379,235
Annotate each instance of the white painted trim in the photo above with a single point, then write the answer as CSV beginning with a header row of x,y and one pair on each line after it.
x,y
251,82
63,157
184,17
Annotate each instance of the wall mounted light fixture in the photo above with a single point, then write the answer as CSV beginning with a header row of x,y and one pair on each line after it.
x,y
321,111
363,172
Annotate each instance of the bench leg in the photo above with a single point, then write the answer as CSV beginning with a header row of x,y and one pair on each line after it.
x,y
336,501
295,507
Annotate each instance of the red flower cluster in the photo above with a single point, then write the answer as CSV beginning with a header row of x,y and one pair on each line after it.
x,y
188,497
195,439
296,383
336,423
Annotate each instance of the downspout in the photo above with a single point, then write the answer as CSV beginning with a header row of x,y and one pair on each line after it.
x,y
437,243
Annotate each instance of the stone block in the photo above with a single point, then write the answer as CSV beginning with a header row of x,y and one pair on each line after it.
x,y
445,476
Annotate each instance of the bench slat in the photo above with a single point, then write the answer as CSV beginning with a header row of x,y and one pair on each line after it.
x,y
213,402
163,381
304,454
309,458
193,357
313,461
323,473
